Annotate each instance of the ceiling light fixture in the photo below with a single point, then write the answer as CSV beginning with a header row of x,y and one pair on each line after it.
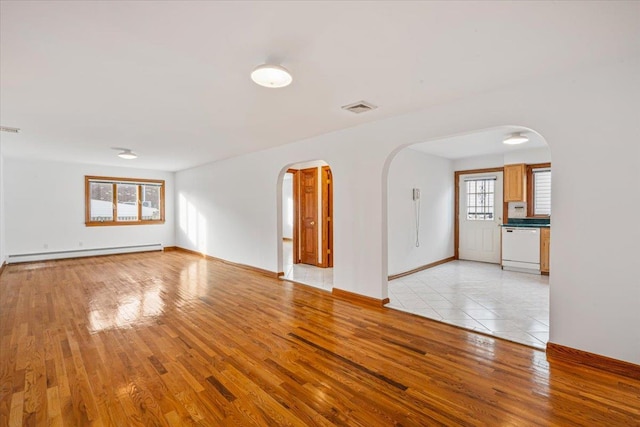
x,y
127,154
273,76
515,139
8,129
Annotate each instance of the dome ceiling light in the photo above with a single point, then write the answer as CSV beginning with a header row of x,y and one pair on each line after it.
x,y
9,129
126,153
273,76
515,139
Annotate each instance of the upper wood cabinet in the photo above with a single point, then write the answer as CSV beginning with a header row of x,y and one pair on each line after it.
x,y
515,183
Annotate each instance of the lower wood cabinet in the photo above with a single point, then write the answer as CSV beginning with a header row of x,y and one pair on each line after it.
x,y
545,242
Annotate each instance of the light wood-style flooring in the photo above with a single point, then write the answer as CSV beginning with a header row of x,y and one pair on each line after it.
x,y
175,339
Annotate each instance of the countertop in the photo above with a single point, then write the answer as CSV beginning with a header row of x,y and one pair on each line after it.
x,y
531,225
528,222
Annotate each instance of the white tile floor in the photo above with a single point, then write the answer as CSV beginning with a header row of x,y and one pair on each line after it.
x,y
480,297
307,274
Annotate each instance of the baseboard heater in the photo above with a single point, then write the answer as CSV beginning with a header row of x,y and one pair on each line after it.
x,y
44,256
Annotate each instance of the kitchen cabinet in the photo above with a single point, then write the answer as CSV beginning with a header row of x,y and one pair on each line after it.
x,y
515,183
545,242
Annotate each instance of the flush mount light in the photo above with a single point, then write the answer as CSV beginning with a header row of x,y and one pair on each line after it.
x,y
8,129
273,76
515,139
127,154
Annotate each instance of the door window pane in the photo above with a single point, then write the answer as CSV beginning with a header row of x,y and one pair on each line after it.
x,y
480,199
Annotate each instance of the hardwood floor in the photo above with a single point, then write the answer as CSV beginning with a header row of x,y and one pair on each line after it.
x,y
174,339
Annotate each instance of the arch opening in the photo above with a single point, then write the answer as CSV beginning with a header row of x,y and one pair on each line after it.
x,y
422,235
305,224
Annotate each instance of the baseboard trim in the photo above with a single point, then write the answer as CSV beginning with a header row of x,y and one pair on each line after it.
x,y
233,264
170,248
287,239
424,267
80,253
4,264
358,299
568,354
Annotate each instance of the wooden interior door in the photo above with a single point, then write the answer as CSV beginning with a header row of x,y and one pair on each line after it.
x,y
309,216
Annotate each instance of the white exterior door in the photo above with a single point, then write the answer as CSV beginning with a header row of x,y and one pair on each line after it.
x,y
480,216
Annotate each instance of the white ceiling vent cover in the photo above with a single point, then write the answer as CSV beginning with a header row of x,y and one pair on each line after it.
x,y
359,107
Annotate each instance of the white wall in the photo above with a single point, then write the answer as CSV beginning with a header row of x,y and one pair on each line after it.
x,y
309,164
590,120
44,205
531,156
434,177
232,209
479,162
287,206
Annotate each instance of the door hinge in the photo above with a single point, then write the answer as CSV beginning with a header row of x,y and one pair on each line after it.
x,y
328,251
328,181
328,218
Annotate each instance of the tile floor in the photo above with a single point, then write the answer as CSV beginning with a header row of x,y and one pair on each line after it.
x,y
307,274
480,297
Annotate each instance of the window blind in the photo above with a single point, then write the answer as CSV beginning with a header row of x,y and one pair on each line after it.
x,y
542,191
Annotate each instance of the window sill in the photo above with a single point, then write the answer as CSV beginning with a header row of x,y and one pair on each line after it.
x,y
116,223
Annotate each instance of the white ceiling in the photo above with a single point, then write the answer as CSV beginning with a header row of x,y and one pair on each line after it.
x,y
170,80
480,143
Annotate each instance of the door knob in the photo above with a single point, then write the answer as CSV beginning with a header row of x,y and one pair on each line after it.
x,y
312,223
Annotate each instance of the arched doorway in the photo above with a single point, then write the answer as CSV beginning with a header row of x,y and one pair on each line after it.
x,y
427,274
307,224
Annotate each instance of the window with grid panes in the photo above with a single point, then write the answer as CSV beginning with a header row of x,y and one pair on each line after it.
x,y
480,199
123,201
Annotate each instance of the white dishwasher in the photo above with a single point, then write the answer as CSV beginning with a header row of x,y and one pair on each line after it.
x,y
521,249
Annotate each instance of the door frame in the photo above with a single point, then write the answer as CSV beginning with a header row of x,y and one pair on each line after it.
x,y
296,214
326,212
456,210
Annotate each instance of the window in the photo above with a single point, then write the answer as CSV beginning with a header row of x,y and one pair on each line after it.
x,y
539,191
123,201
480,198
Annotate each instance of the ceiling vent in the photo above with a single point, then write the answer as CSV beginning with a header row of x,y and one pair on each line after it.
x,y
359,107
